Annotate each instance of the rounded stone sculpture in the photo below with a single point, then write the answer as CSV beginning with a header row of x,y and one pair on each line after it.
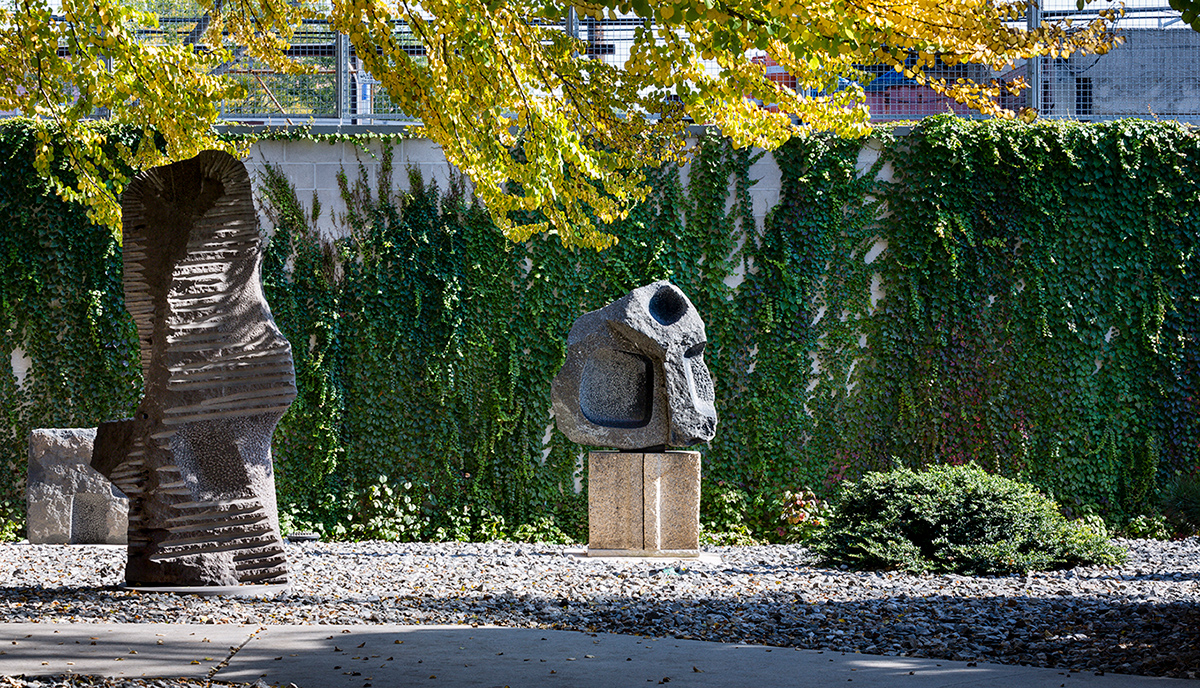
x,y
635,376
195,460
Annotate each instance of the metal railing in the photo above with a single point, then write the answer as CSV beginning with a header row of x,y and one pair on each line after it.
x,y
343,92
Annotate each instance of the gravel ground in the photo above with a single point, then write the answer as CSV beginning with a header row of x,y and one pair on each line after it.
x,y
1142,617
103,682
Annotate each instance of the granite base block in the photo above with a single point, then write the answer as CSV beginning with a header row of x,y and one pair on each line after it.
x,y
615,501
644,504
671,501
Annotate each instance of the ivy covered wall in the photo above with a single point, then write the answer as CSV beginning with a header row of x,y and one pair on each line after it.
x,y
1047,312
1018,296
62,316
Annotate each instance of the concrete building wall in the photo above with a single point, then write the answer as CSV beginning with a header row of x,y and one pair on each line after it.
x,y
313,168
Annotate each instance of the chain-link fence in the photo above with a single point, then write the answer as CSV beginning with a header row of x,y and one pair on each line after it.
x,y
1154,73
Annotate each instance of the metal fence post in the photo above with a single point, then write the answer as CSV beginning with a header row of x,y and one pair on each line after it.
x,y
340,76
572,23
1035,62
106,113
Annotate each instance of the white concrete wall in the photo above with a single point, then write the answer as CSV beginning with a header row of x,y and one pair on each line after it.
x,y
313,167
20,365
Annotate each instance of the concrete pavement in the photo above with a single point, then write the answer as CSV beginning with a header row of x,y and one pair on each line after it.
x,y
485,656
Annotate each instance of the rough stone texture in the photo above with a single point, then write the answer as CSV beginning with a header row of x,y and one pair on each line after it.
x,y
615,501
671,499
644,504
196,458
67,501
635,377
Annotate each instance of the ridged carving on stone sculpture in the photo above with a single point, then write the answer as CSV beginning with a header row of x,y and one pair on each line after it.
x,y
195,460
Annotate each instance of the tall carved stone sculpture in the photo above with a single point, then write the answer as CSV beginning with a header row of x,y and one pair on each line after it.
x,y
635,380
195,461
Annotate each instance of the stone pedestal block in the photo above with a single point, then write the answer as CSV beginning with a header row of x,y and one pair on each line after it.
x,y
671,501
68,501
615,508
644,504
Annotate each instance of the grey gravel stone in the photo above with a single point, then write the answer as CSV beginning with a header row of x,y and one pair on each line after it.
x,y
1136,618
110,682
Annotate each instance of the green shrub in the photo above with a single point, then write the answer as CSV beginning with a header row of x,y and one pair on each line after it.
x,y
12,521
1147,527
384,512
734,536
723,507
955,519
1181,503
542,530
1094,524
11,531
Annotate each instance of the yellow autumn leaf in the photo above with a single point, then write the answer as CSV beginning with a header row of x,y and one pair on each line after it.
x,y
486,77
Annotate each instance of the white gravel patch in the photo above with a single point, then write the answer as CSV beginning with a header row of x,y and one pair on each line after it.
x,y
1141,617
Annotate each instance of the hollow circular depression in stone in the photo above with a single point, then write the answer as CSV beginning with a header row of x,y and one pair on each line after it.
x,y
668,305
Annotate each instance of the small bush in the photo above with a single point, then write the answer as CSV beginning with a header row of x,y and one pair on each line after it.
x,y
11,531
543,530
955,519
1094,524
1147,527
734,536
723,507
734,513
12,520
394,512
802,516
1181,503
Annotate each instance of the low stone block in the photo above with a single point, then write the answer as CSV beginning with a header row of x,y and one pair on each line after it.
x,y
671,499
644,504
615,500
68,501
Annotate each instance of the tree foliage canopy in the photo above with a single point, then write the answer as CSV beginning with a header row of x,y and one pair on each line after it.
x,y
491,77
